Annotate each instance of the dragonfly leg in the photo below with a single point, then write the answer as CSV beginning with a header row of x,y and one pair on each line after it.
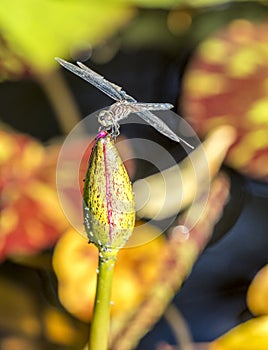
x,y
112,129
115,130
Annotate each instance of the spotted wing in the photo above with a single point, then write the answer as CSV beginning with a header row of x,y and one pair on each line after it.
x,y
112,90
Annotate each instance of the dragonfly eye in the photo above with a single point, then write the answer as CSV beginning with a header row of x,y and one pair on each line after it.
x,y
105,118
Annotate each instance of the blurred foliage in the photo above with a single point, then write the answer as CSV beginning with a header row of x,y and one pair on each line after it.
x,y
257,294
177,261
182,27
204,3
75,264
249,335
31,218
252,334
33,34
217,90
181,3
37,31
28,318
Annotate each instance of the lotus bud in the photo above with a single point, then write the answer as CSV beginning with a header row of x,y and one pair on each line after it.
x,y
109,214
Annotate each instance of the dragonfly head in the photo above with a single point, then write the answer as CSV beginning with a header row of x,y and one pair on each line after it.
x,y
105,118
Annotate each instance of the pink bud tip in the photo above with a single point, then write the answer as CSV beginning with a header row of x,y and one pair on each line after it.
x,y
101,134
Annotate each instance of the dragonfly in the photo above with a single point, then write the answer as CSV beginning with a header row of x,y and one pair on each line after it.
x,y
125,104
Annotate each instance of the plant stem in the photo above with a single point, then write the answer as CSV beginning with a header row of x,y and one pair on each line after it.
x,y
99,332
61,100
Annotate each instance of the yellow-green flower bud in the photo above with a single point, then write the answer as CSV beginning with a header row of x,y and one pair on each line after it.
x,y
109,214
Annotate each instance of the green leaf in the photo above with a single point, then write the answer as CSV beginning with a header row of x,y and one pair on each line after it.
x,y
39,30
177,3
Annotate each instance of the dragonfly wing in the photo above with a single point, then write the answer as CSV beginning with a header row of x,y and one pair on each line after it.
x,y
112,90
160,126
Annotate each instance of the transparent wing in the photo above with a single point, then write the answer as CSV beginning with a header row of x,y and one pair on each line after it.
x,y
160,126
112,90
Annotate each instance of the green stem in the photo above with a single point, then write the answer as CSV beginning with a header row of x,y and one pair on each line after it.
x,y
99,331
61,100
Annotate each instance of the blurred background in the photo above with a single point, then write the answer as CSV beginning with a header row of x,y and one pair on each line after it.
x,y
209,58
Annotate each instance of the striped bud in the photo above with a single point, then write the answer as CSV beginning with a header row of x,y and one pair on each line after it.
x,y
109,214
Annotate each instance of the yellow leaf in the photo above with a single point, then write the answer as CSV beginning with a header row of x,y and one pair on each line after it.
x,y
251,335
257,295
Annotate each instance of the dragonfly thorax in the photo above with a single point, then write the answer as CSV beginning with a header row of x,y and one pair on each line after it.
x,y
116,112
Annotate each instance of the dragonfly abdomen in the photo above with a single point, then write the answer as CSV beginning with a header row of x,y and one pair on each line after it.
x,y
151,106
